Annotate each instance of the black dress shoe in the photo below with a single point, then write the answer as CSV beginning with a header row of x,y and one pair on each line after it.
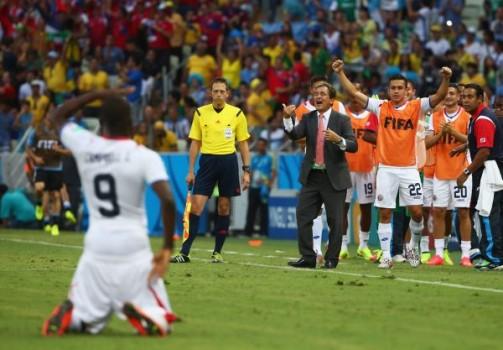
x,y
303,263
330,264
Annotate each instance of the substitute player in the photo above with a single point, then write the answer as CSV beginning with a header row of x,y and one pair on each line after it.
x,y
361,167
117,271
450,128
396,148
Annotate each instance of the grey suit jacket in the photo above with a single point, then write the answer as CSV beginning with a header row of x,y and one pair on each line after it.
x,y
335,160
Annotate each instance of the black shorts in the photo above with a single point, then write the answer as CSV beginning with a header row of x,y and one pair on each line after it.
x,y
218,169
52,179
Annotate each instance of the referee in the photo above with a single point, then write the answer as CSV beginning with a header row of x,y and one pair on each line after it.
x,y
215,129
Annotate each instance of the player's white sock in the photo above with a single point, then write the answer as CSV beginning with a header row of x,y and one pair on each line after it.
x,y
425,244
364,239
384,232
317,234
345,242
439,247
416,228
465,248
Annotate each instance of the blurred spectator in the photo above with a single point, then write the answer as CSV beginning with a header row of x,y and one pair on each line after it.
x,y
113,56
472,75
38,103
141,134
133,77
275,134
229,62
201,64
258,104
93,80
176,123
16,210
55,75
6,126
437,44
23,118
164,140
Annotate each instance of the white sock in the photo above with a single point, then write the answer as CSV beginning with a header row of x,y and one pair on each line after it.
x,y
439,247
345,241
425,244
317,234
364,239
416,228
465,249
384,232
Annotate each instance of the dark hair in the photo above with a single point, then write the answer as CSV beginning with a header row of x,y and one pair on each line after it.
x,y
221,81
455,86
297,56
115,114
317,78
3,189
262,139
331,90
398,77
478,90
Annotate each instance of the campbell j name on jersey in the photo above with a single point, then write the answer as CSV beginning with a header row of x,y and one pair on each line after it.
x,y
101,157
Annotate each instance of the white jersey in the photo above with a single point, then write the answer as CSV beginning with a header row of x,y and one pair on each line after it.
x,y
114,174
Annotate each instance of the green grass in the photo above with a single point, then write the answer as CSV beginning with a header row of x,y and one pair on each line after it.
x,y
255,302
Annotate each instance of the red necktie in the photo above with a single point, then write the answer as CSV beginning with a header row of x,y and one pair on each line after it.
x,y
320,142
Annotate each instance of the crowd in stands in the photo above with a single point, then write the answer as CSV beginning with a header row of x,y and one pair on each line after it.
x,y
267,50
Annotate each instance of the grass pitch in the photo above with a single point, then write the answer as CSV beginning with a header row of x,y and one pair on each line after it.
x,y
254,301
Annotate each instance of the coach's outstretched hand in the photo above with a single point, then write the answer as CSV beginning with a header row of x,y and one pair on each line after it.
x,y
288,110
337,66
160,264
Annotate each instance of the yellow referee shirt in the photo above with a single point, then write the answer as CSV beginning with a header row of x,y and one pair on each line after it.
x,y
219,131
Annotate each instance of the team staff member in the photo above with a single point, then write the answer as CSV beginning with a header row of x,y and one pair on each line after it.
x,y
485,143
214,132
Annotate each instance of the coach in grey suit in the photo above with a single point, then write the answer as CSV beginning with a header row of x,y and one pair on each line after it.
x,y
324,174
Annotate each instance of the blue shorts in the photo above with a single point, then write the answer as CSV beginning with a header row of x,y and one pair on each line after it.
x,y
221,170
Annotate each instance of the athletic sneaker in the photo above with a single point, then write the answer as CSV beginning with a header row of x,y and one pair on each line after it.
x,y
386,263
485,265
399,258
48,228
377,255
436,261
344,254
425,257
365,253
70,217
447,258
141,322
39,212
465,262
412,256
55,230
59,320
180,258
217,258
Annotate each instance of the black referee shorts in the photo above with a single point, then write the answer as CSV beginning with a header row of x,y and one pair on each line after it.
x,y
52,179
221,170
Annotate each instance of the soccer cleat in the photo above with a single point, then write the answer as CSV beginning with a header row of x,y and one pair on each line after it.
x,y
447,258
377,255
365,253
436,261
39,212
180,259
48,228
59,320
399,258
344,254
465,262
386,263
412,256
141,322
425,257
217,258
482,264
70,217
55,230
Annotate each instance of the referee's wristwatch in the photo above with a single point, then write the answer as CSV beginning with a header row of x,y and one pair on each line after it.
x,y
246,168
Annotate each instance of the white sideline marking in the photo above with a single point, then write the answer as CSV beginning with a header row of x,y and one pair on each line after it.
x,y
399,279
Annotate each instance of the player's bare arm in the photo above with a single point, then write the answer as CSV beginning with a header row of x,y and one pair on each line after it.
x,y
432,140
245,157
195,146
477,163
71,106
370,137
161,260
457,135
439,96
456,151
347,85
